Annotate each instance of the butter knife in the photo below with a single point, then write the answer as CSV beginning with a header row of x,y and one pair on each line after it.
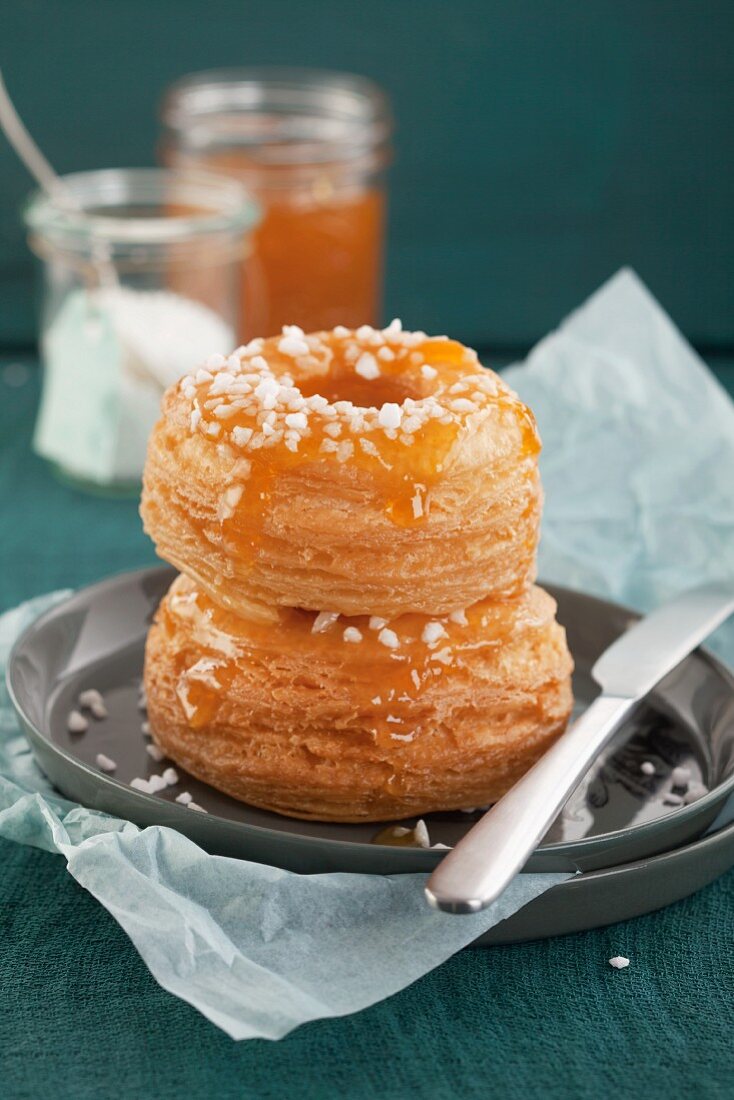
x,y
478,869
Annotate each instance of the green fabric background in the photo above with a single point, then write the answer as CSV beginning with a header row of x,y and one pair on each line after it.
x,y
81,1017
540,146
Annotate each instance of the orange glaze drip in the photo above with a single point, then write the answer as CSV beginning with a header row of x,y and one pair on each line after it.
x,y
402,475
384,685
394,836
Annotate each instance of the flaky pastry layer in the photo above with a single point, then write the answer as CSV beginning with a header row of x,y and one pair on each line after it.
x,y
360,721
329,506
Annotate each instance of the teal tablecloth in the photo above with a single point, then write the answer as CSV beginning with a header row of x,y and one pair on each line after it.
x,y
81,1016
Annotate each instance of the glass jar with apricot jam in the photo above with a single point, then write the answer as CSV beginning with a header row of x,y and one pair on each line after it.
x,y
312,148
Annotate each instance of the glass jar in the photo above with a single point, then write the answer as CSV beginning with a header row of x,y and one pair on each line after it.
x,y
142,281
311,147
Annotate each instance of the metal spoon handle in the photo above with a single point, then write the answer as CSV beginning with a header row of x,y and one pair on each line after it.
x,y
481,865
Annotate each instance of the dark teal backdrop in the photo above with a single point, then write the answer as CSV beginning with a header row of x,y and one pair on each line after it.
x,y
540,144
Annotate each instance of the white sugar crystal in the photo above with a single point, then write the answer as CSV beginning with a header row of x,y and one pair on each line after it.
x,y
394,328
694,792
443,847
459,617
341,333
388,638
154,752
203,376
420,833
104,763
463,405
619,962
170,777
216,361
297,420
432,633
376,623
145,729
293,346
92,700
241,436
323,621
417,505
221,383
366,366
184,798
351,634
681,777
428,372
140,785
229,500
647,767
386,354
196,806
76,722
156,783
194,419
267,392
390,415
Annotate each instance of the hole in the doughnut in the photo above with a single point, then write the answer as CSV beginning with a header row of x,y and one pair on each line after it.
x,y
348,386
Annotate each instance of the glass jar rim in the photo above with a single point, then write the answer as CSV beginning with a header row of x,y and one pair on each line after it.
x,y
322,114
225,207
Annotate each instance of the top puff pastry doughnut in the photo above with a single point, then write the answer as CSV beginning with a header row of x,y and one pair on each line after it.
x,y
363,472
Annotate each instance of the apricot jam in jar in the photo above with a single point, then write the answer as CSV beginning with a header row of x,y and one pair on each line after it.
x,y
312,148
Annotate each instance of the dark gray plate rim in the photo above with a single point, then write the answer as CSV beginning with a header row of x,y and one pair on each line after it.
x,y
610,895
566,849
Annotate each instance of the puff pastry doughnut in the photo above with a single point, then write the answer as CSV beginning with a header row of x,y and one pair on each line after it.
x,y
357,720
364,472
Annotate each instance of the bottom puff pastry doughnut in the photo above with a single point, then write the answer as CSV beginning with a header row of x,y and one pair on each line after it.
x,y
356,719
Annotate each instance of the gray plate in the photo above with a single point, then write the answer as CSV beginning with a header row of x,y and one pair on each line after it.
x,y
617,815
598,898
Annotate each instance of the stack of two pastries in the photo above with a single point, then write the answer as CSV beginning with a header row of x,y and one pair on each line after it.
x,y
355,635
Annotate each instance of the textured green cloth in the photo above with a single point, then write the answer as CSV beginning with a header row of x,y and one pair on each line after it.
x,y
80,1016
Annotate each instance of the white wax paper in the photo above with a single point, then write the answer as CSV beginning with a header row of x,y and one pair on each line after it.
x,y
638,452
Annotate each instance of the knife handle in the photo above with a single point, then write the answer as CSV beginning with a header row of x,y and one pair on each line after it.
x,y
478,869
